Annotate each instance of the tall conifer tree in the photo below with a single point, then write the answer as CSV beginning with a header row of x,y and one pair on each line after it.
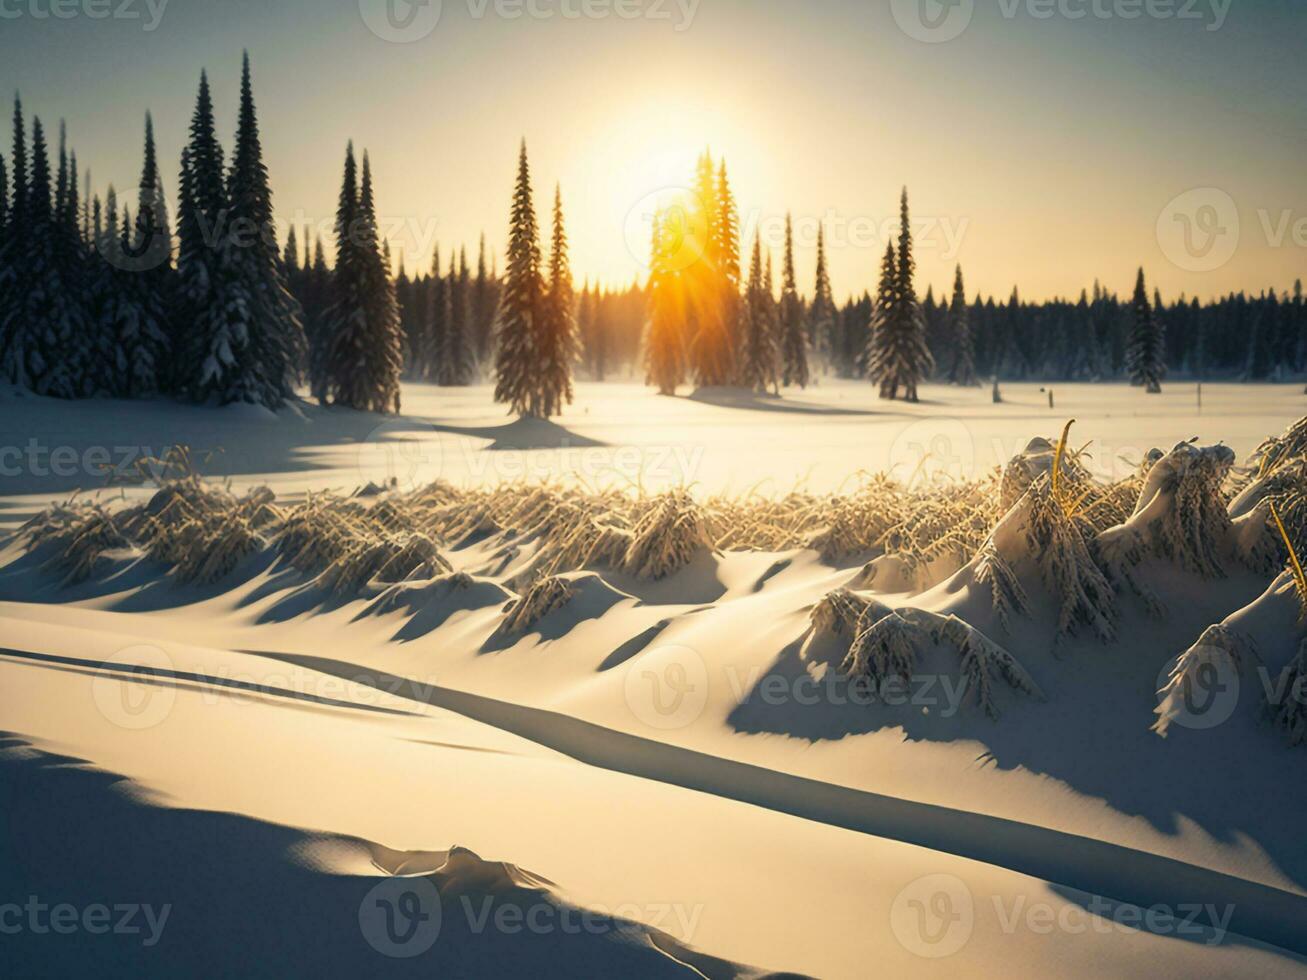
x,y
963,371
1146,353
794,336
517,357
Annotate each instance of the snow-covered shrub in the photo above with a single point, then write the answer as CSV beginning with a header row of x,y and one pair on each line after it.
x,y
667,538
545,596
76,535
1289,715
888,643
384,557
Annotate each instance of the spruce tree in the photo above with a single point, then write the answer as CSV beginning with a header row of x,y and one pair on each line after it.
x,y
758,356
664,349
823,315
705,281
455,363
900,358
210,330
963,371
438,316
517,358
727,237
875,362
273,320
1146,353
557,344
46,328
364,357
794,336
483,305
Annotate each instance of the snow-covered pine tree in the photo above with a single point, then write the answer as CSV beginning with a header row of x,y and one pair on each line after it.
x,y
963,371
365,351
483,306
273,320
1146,353
46,328
823,315
794,337
557,346
15,238
437,319
521,305
902,358
876,361
664,348
727,238
705,285
140,336
758,356
210,339
456,362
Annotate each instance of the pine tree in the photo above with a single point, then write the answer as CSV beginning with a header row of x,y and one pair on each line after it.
x,y
210,330
900,357
823,315
706,281
876,358
758,357
46,328
483,305
794,337
273,320
557,344
1146,353
456,354
364,358
727,238
963,371
517,358
437,319
664,349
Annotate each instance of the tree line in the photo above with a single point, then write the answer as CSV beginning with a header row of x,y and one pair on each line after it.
x,y
98,302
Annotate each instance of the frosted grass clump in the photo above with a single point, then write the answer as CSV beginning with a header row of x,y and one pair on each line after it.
x,y
545,596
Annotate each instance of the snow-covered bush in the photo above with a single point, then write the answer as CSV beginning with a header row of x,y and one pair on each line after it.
x,y
667,538
545,596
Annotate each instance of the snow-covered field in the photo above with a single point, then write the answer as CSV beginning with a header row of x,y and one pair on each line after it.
x,y
655,778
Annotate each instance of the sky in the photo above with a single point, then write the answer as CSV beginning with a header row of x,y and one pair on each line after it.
x,y
1044,143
